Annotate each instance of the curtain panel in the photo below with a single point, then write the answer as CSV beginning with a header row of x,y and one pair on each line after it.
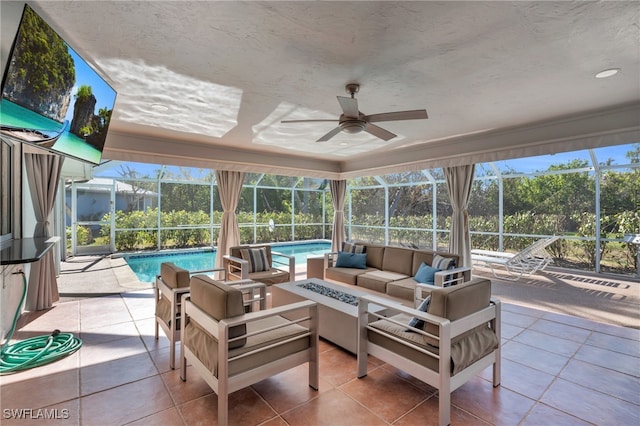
x,y
459,180
229,188
43,175
338,194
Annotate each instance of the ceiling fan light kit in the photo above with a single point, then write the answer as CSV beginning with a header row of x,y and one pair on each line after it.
x,y
352,121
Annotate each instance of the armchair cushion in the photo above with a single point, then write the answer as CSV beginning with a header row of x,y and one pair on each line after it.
x,y
220,301
257,258
464,352
174,276
351,260
205,346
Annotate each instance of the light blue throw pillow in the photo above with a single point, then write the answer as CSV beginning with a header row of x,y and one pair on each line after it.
x,y
351,260
425,274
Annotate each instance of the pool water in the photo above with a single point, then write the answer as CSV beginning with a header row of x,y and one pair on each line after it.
x,y
147,266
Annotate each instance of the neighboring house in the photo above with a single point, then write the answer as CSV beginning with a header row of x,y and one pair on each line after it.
x,y
93,199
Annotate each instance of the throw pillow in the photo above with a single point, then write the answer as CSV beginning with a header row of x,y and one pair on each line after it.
x,y
353,248
425,274
417,322
442,263
257,258
351,260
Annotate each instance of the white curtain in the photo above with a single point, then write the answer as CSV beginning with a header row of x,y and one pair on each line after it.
x,y
338,194
459,181
229,188
43,175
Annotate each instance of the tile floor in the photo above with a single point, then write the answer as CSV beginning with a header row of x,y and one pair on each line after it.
x,y
556,370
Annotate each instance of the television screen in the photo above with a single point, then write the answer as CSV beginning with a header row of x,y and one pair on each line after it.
x,y
51,97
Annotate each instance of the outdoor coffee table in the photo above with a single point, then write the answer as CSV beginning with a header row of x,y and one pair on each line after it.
x,y
338,308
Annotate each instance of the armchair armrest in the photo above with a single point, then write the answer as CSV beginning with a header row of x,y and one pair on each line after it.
x,y
248,288
452,276
236,267
456,276
290,262
330,259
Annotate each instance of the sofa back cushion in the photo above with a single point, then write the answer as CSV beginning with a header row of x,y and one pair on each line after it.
x,y
375,254
174,276
397,259
456,302
219,301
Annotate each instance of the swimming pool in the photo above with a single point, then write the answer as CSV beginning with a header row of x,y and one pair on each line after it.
x,y
147,266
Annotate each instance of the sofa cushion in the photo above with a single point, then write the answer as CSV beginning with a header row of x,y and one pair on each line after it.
x,y
174,276
404,289
425,274
257,259
398,259
219,301
345,275
456,302
378,280
351,260
375,255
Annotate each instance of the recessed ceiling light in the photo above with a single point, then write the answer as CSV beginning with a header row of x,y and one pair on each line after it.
x,y
608,73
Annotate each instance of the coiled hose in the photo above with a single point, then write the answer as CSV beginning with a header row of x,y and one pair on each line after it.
x,y
35,351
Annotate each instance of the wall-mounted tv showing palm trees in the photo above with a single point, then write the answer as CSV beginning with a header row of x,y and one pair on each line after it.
x,y
51,97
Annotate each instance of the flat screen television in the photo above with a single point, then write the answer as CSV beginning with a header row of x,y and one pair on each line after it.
x,y
51,97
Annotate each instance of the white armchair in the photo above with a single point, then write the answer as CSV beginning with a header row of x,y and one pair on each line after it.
x,y
173,282
456,338
232,349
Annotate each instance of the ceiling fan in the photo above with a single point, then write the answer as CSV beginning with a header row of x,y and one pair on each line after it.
x,y
353,121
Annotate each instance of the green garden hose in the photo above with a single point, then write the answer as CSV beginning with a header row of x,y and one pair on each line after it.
x,y
35,351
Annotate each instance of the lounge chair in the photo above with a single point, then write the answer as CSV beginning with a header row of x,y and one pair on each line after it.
x,y
525,263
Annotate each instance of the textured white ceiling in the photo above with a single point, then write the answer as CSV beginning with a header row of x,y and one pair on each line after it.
x,y
488,73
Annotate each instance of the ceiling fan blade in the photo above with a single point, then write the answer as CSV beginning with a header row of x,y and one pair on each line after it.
x,y
379,132
349,106
310,121
415,114
329,135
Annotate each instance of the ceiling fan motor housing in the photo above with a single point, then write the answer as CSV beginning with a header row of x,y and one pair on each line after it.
x,y
352,125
